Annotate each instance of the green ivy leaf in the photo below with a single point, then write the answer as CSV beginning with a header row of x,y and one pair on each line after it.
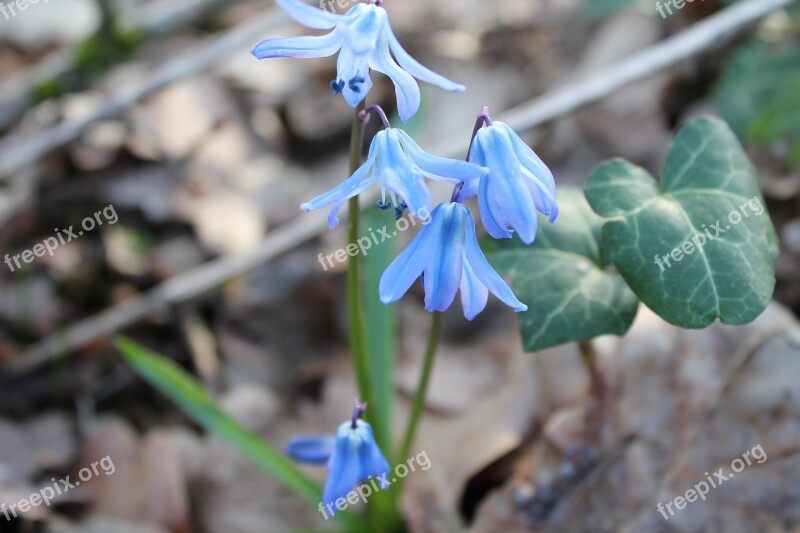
x,y
700,247
563,279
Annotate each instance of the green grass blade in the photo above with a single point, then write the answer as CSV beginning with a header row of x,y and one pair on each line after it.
x,y
184,390
382,330
180,387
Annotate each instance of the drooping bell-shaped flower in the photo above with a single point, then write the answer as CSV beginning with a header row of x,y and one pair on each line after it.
x,y
355,459
518,184
400,165
365,40
352,455
447,256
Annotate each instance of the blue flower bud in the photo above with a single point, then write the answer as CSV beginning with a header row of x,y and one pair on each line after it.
x,y
518,184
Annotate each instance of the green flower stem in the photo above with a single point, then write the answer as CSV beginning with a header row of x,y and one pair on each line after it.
x,y
422,388
355,318
355,315
382,507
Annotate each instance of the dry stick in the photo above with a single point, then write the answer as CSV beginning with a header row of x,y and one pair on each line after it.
x,y
15,153
154,20
708,34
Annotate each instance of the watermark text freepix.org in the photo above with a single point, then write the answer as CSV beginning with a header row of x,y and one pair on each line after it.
x,y
365,490
50,244
698,240
328,5
62,486
11,9
665,9
715,479
375,237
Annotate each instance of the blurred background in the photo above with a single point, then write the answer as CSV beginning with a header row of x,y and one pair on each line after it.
x,y
151,119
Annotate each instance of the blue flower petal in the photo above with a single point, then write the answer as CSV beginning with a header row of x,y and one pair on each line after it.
x,y
441,168
410,185
544,184
373,463
474,294
489,212
311,449
481,267
411,262
406,87
530,160
507,183
350,187
301,47
443,273
542,197
333,214
364,33
344,472
353,70
413,67
402,177
310,16
493,227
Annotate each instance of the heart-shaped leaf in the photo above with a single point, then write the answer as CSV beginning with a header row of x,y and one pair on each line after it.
x,y
700,247
562,277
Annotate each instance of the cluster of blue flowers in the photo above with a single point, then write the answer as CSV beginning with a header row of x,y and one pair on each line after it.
x,y
510,181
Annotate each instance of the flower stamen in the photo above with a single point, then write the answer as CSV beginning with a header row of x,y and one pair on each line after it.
x,y
355,83
337,86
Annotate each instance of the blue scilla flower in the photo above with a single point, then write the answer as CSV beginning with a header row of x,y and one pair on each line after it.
x,y
447,256
365,40
518,183
399,164
352,455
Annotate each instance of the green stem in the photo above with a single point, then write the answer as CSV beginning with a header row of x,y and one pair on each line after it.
x,y
588,358
596,409
422,388
383,509
355,318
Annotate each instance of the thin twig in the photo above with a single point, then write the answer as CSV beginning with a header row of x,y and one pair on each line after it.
x,y
154,20
706,35
15,153
709,34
